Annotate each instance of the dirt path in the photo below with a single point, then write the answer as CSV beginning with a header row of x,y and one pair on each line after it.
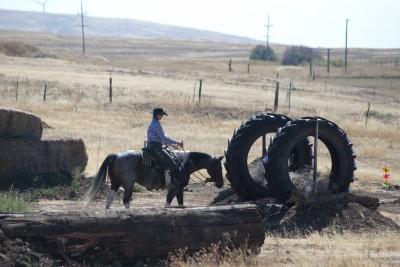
x,y
195,195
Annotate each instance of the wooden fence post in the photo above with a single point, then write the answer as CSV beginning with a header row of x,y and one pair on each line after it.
x,y
248,68
290,92
276,97
110,89
314,185
367,114
230,65
16,92
194,90
200,86
44,93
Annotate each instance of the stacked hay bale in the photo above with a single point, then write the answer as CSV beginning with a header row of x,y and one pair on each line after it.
x,y
24,153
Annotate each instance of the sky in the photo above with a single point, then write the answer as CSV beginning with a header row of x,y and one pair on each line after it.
x,y
315,23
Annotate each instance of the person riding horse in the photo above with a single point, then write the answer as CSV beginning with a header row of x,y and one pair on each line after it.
x,y
156,138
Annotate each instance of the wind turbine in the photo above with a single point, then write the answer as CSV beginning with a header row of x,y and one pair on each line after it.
x,y
43,4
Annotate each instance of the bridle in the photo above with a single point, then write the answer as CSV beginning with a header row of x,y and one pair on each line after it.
x,y
204,179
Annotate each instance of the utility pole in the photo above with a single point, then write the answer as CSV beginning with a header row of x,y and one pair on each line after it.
x,y
345,50
268,26
83,30
329,60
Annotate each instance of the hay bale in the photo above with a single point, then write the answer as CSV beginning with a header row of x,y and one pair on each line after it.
x,y
19,124
23,159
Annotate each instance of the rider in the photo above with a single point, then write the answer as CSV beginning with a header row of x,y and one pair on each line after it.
x,y
156,139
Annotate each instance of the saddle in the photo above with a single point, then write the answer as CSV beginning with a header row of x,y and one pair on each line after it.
x,y
151,161
154,168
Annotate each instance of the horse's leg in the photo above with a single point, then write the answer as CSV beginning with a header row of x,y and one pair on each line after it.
x,y
111,195
170,196
179,197
127,197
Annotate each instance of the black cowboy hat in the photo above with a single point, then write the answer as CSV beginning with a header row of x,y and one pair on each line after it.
x,y
158,111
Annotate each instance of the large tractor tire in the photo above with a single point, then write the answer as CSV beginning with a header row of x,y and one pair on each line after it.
x,y
240,144
335,139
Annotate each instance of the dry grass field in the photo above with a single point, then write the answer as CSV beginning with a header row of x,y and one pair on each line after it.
x,y
150,73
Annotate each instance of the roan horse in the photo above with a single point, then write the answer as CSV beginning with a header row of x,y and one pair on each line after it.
x,y
126,168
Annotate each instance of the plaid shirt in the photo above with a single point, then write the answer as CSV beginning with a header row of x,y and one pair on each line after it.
x,y
155,133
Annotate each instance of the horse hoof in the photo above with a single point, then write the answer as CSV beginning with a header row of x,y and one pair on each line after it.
x,y
167,205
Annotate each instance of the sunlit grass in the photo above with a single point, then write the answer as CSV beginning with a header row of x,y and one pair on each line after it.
x,y
12,201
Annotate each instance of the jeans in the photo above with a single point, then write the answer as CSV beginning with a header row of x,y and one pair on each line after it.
x,y
162,155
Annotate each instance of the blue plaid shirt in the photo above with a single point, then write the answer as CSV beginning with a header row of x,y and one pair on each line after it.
x,y
155,133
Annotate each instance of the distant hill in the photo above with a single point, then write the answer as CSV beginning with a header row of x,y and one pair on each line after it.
x,y
70,24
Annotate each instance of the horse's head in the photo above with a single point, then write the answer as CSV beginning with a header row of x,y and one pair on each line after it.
x,y
215,171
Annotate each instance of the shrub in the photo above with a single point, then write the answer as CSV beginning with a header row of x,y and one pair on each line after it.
x,y
298,55
76,176
337,62
50,192
262,52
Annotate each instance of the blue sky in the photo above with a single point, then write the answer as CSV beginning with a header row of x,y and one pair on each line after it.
x,y
316,23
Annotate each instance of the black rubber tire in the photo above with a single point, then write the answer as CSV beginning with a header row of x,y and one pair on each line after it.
x,y
335,139
239,146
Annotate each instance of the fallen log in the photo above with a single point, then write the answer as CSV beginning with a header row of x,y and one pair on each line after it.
x,y
140,233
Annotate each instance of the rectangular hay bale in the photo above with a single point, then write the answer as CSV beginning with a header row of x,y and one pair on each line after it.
x,y
15,124
20,157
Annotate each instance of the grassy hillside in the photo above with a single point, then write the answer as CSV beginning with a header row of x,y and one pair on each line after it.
x,y
69,24
149,73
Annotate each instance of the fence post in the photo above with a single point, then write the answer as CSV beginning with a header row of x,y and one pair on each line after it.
x,y
276,97
230,65
311,68
44,93
200,86
367,114
290,92
315,156
248,68
110,89
16,92
194,91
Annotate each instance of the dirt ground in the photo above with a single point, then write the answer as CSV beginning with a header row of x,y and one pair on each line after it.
x,y
278,219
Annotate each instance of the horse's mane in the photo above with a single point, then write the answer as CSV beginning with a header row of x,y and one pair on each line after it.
x,y
199,156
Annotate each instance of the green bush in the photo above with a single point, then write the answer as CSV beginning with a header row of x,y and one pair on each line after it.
x,y
264,53
298,55
11,201
50,192
381,116
337,63
76,176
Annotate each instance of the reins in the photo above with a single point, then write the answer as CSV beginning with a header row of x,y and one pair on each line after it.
x,y
205,180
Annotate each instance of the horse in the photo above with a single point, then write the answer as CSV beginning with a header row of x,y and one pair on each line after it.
x,y
127,168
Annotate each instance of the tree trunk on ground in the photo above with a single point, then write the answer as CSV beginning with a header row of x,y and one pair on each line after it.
x,y
140,233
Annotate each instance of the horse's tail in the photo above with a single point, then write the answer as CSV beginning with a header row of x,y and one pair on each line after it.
x,y
98,182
